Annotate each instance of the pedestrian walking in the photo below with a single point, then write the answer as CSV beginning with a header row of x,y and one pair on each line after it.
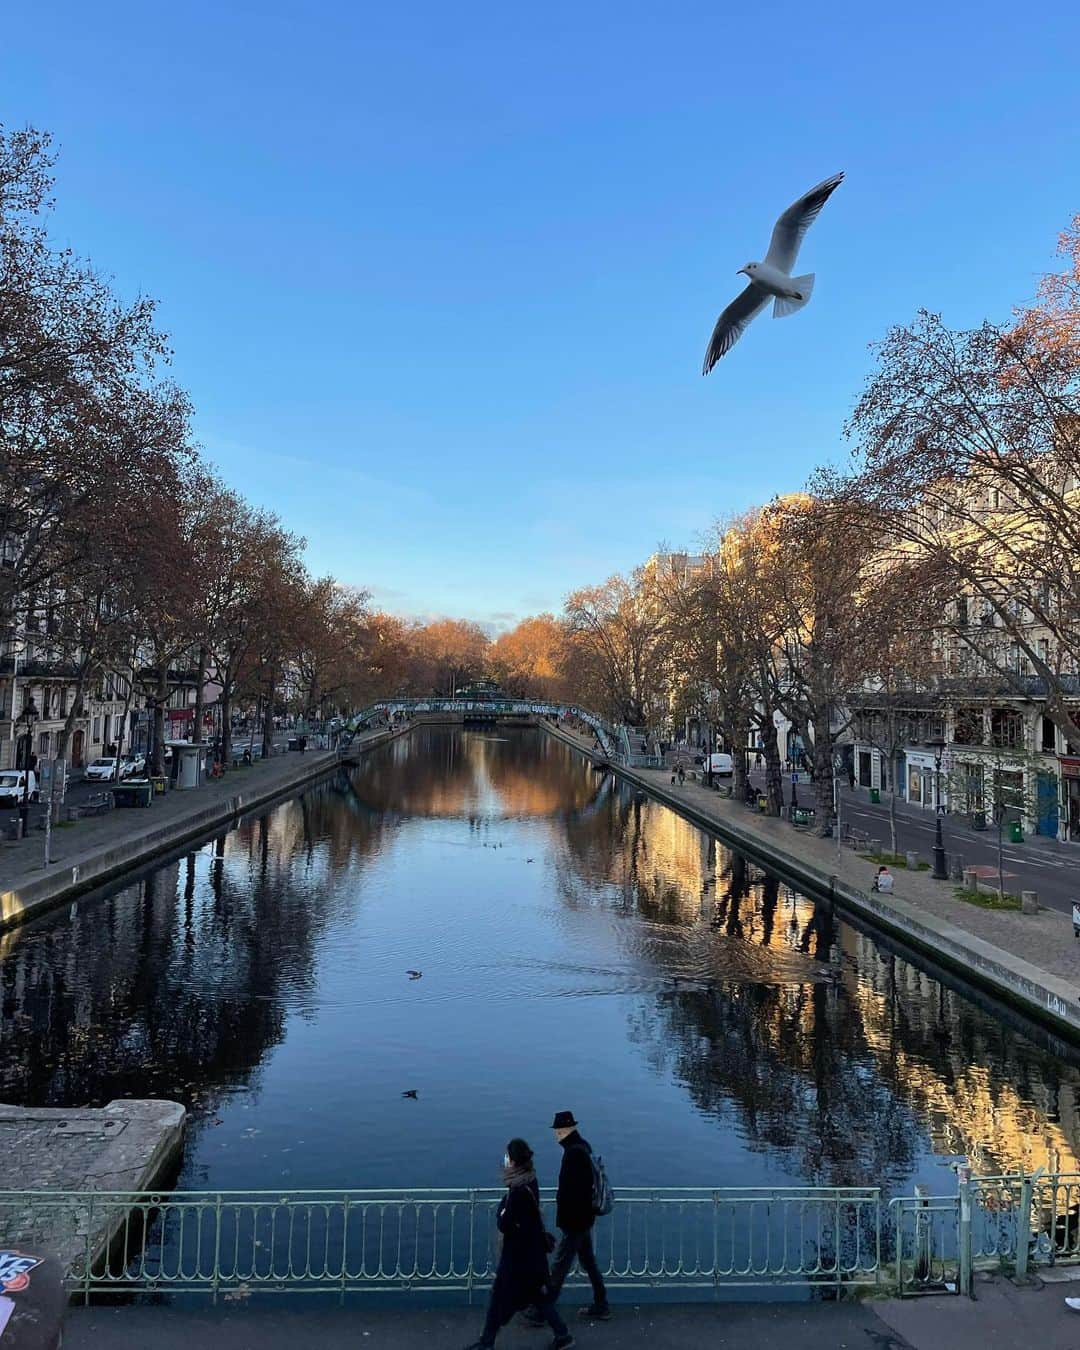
x,y
522,1278
574,1217
681,771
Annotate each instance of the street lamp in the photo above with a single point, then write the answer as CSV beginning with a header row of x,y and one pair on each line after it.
x,y
941,871
28,716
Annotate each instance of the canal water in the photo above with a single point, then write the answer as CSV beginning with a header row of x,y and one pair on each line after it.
x,y
579,946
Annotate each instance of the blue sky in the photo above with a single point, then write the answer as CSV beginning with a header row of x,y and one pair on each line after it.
x,y
439,278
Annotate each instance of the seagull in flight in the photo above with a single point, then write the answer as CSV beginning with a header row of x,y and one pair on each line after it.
x,y
772,279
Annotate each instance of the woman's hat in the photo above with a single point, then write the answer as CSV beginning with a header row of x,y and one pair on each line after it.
x,y
564,1120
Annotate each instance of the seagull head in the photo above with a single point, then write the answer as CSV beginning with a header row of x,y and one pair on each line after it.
x,y
748,270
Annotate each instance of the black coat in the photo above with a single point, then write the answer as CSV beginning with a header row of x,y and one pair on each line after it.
x,y
573,1210
523,1264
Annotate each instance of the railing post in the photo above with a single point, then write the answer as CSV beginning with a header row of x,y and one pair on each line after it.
x,y
1023,1226
217,1246
472,1234
963,1276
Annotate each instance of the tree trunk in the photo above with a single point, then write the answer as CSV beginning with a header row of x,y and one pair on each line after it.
x,y
824,815
200,697
741,757
268,718
162,697
130,681
774,778
225,703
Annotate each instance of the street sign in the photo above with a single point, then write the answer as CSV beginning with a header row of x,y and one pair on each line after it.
x,y
795,778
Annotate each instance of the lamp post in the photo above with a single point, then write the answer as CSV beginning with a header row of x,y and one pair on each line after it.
x,y
28,716
941,871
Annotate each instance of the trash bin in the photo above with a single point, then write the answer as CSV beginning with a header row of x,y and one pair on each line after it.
x,y
159,785
1016,832
875,796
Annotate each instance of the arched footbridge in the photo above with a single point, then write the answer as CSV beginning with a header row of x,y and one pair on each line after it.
x,y
605,733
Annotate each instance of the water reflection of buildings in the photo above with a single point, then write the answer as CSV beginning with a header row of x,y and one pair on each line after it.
x,y
818,1045
846,1072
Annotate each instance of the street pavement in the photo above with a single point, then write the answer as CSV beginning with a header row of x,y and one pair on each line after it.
x,y
1002,1316
1050,868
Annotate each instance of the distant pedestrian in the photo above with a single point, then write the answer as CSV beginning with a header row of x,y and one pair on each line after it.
x,y
681,772
522,1277
851,774
574,1218
883,882
757,760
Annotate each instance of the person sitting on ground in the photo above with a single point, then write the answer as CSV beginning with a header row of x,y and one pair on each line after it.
x,y
883,881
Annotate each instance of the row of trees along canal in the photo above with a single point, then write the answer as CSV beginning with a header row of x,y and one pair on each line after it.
x,y
127,555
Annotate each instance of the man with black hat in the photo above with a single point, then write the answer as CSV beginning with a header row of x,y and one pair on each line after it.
x,y
574,1217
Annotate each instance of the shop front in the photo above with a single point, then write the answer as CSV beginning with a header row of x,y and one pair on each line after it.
x,y
1070,795
921,779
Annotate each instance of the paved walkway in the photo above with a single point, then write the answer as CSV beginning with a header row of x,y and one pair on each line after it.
x,y
1046,866
1000,1318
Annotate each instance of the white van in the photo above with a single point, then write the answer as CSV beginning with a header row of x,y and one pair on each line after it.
x,y
721,766
13,787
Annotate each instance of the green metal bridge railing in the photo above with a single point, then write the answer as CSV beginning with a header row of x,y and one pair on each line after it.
x,y
689,1238
351,1241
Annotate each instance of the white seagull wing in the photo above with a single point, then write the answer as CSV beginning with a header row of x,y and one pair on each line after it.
x,y
789,230
734,321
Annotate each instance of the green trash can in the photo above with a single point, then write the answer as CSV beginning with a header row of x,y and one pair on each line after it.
x,y
875,796
1016,832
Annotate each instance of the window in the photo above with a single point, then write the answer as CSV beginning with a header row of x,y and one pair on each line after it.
x,y
44,739
1049,737
1043,648
1006,727
968,726
962,611
95,734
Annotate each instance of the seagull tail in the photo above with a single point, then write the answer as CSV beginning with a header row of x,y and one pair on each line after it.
x,y
804,285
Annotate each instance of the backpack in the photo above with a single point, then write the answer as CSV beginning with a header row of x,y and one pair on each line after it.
x,y
603,1197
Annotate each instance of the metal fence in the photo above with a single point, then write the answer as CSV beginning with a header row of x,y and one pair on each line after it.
x,y
445,1240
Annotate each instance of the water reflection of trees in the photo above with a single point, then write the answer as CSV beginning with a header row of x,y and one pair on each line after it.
x,y
170,987
809,1038
442,772
844,1075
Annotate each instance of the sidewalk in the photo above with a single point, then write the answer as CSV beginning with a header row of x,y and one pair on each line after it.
x,y
1000,1318
94,849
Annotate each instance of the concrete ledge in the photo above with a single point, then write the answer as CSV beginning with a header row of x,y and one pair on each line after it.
x,y
126,1146
1049,997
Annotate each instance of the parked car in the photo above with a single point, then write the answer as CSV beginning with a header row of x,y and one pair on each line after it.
x,y
13,787
103,770
721,765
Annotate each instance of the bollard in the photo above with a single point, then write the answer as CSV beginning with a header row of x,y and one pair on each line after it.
x,y
971,879
1029,902
912,860
956,869
874,846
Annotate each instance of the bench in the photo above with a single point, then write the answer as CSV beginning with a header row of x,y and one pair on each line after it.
x,y
96,804
856,839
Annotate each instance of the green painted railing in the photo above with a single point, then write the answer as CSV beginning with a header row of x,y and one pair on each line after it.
x,y
239,1242
351,1241
507,707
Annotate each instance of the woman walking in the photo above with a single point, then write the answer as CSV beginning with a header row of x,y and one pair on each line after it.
x,y
522,1276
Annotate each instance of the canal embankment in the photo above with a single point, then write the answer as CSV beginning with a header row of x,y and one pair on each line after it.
x,y
51,1153
1030,960
97,849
